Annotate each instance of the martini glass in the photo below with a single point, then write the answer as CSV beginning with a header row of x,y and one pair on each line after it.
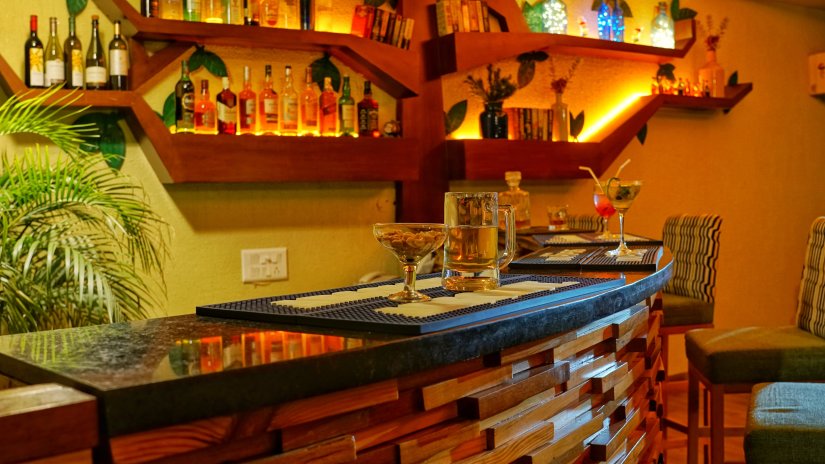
x,y
621,194
410,242
605,209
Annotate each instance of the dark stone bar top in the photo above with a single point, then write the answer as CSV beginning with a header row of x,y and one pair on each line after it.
x,y
158,372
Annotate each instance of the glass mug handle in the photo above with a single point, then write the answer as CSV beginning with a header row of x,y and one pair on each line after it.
x,y
510,235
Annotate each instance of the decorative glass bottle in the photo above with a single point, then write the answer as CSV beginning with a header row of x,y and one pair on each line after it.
x,y
561,122
617,24
554,16
661,29
517,198
712,76
493,121
604,21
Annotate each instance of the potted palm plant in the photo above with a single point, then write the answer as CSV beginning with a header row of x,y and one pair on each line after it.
x,y
79,244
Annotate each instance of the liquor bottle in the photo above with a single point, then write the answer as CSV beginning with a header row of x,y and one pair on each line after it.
x,y
306,15
346,111
171,9
368,114
323,15
227,109
118,61
233,11
517,198
329,109
603,21
55,70
35,77
73,58
96,77
205,111
184,101
150,8
213,12
617,25
246,100
269,12
661,29
289,105
191,10
309,107
289,15
268,105
252,12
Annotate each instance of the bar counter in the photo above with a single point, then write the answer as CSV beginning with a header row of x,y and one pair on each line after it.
x,y
308,387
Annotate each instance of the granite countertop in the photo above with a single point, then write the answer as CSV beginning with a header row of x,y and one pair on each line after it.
x,y
158,372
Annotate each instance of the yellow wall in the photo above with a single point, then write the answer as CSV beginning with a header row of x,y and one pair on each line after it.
x,y
760,167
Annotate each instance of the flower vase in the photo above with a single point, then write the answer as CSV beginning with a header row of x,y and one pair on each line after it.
x,y
493,121
561,123
712,77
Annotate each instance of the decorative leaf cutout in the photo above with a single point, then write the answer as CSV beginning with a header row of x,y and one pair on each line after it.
x,y
576,125
733,79
596,5
169,110
455,117
666,71
109,140
628,13
532,14
533,56
375,3
687,13
324,67
76,6
642,134
674,9
526,71
212,62
393,4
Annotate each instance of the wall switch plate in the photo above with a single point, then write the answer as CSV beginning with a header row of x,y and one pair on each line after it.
x,y
263,265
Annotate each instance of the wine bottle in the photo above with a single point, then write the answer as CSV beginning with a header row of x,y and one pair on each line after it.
x,y
150,8
205,111
289,105
246,101
118,61
268,105
95,60
184,101
346,111
192,10
227,109
55,71
309,106
306,14
329,109
368,114
214,12
35,77
73,58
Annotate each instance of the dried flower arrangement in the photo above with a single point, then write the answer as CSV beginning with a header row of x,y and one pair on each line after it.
x,y
712,40
498,88
560,84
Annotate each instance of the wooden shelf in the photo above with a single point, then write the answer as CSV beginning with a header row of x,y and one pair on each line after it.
x,y
486,160
463,51
389,67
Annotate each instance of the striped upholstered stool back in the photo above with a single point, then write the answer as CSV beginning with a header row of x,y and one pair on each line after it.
x,y
694,242
811,312
585,222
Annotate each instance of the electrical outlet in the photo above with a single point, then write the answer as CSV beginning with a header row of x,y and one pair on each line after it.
x,y
263,265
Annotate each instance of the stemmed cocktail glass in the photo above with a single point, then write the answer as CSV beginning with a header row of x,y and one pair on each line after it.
x,y
621,194
604,208
410,242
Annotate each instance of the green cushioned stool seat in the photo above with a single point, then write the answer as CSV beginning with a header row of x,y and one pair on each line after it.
x,y
786,424
756,354
683,310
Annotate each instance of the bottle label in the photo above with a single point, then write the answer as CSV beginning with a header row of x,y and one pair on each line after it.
x,y
77,68
310,113
188,102
55,72
209,119
291,111
347,117
118,62
271,110
249,111
95,75
226,114
36,75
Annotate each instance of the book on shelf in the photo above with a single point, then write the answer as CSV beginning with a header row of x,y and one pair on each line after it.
x,y
462,16
382,26
529,123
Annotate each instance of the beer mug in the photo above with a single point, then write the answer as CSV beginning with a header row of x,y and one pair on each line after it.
x,y
472,260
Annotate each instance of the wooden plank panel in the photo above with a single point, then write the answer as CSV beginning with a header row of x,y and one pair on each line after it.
x,y
38,421
516,448
450,390
435,440
587,371
439,374
77,457
570,436
606,379
526,350
337,450
172,440
535,360
639,317
609,441
401,426
318,407
515,421
635,373
491,401
590,335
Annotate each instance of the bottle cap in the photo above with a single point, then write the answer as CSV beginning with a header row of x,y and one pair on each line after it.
x,y
512,177
225,82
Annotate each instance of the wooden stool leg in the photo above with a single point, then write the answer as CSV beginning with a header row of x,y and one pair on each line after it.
x,y
664,354
717,424
693,418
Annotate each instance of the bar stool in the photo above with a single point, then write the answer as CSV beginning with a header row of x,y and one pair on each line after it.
x,y
733,360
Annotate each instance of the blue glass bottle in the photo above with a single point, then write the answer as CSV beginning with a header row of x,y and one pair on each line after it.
x,y
618,22
604,21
